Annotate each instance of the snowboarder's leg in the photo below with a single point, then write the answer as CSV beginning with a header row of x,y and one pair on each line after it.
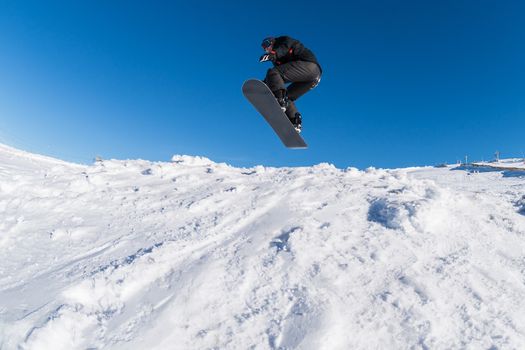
x,y
276,83
274,80
296,90
291,110
295,117
304,76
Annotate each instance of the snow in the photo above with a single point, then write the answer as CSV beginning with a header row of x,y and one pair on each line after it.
x,y
508,164
192,254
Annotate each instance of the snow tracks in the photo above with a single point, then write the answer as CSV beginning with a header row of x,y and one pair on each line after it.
x,y
198,255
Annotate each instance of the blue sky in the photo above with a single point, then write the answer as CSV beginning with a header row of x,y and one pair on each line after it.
x,y
405,82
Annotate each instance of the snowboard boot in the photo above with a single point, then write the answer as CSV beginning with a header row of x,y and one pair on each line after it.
x,y
282,99
297,122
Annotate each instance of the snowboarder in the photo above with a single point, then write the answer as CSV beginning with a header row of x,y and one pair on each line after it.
x,y
295,64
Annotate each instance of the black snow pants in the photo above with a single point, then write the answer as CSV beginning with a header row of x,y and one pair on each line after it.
x,y
303,76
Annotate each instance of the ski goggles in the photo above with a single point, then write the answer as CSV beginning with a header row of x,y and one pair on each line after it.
x,y
266,43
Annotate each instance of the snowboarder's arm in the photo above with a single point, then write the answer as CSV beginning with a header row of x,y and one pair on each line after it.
x,y
284,48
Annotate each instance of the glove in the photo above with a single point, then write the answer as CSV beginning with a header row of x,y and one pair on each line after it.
x,y
267,57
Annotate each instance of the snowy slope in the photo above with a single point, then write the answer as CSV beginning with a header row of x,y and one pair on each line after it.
x,y
192,254
508,164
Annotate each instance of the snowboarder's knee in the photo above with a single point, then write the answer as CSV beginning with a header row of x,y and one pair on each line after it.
x,y
272,71
315,83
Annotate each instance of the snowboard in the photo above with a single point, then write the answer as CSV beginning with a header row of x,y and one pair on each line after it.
x,y
262,98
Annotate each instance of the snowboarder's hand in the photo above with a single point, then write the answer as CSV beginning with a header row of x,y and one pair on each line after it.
x,y
267,57
264,58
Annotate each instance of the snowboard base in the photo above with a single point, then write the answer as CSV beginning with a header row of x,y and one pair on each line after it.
x,y
262,98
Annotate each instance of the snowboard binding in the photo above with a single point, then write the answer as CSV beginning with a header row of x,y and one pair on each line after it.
x,y
297,122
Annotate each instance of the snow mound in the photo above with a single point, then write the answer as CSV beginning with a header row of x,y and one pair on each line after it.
x,y
192,254
188,160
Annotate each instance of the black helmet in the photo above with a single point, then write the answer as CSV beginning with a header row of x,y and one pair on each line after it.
x,y
267,42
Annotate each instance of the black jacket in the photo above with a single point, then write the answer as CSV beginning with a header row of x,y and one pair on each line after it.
x,y
287,49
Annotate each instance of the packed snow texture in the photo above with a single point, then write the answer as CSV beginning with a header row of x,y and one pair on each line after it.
x,y
192,254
